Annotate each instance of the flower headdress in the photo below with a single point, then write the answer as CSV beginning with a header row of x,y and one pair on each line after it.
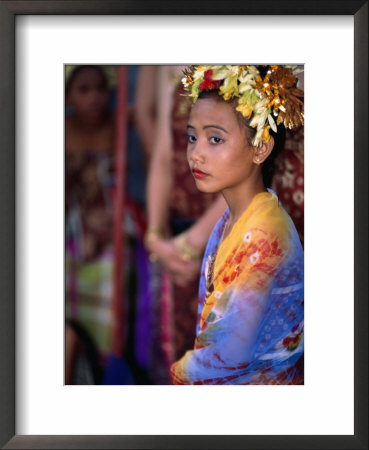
x,y
267,100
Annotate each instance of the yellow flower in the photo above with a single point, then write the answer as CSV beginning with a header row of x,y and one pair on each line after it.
x,y
245,110
229,89
228,94
266,136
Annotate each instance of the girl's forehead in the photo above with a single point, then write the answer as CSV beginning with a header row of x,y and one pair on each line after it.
x,y
211,109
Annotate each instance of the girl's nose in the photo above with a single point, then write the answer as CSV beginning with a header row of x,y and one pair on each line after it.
x,y
196,153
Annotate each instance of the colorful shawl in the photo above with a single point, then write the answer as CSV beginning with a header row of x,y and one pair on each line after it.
x,y
251,303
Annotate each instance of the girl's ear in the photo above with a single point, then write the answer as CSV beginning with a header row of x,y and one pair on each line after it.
x,y
261,153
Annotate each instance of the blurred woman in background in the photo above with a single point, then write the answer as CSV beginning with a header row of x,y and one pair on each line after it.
x,y
90,176
89,182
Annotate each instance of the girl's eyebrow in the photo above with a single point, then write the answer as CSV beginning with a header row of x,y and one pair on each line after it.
x,y
215,126
208,126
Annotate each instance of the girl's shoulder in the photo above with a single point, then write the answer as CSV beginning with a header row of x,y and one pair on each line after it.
x,y
266,211
269,222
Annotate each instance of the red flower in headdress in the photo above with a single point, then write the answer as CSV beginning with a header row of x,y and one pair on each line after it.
x,y
208,84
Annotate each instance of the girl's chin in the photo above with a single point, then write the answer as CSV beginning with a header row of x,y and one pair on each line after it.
x,y
206,189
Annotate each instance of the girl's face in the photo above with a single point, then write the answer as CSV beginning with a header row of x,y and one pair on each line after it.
x,y
89,95
218,152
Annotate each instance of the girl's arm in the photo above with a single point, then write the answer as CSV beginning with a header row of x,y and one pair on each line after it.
x,y
160,174
160,182
144,111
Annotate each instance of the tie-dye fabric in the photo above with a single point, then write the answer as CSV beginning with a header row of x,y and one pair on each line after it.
x,y
251,303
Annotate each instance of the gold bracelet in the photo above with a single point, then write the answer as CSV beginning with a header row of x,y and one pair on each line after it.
x,y
151,235
186,250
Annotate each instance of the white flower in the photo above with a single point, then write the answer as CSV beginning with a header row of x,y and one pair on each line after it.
x,y
260,106
255,121
218,294
233,69
185,83
251,72
220,73
272,124
245,87
247,237
254,258
199,72
260,116
257,139
247,78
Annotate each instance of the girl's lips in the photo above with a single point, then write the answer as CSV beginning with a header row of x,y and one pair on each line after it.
x,y
198,174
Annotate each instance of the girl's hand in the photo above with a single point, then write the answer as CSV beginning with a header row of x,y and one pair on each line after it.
x,y
182,272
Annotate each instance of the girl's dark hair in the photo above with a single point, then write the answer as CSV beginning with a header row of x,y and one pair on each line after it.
x,y
268,167
81,68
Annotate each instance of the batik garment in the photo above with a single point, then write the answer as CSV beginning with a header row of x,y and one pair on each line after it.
x,y
288,180
251,297
89,183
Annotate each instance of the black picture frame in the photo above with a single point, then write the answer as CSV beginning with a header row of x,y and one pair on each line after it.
x,y
8,10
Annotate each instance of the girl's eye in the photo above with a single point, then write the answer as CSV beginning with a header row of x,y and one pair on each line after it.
x,y
216,140
191,138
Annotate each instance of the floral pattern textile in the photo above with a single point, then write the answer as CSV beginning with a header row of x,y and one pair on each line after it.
x,y
251,302
288,180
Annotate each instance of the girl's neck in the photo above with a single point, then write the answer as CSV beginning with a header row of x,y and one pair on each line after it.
x,y
238,203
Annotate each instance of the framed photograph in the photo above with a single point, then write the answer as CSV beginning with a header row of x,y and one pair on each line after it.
x,y
37,40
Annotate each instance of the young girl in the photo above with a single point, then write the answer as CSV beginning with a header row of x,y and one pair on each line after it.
x,y
250,316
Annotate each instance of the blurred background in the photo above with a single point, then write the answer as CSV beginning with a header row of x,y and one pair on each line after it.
x,y
129,313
